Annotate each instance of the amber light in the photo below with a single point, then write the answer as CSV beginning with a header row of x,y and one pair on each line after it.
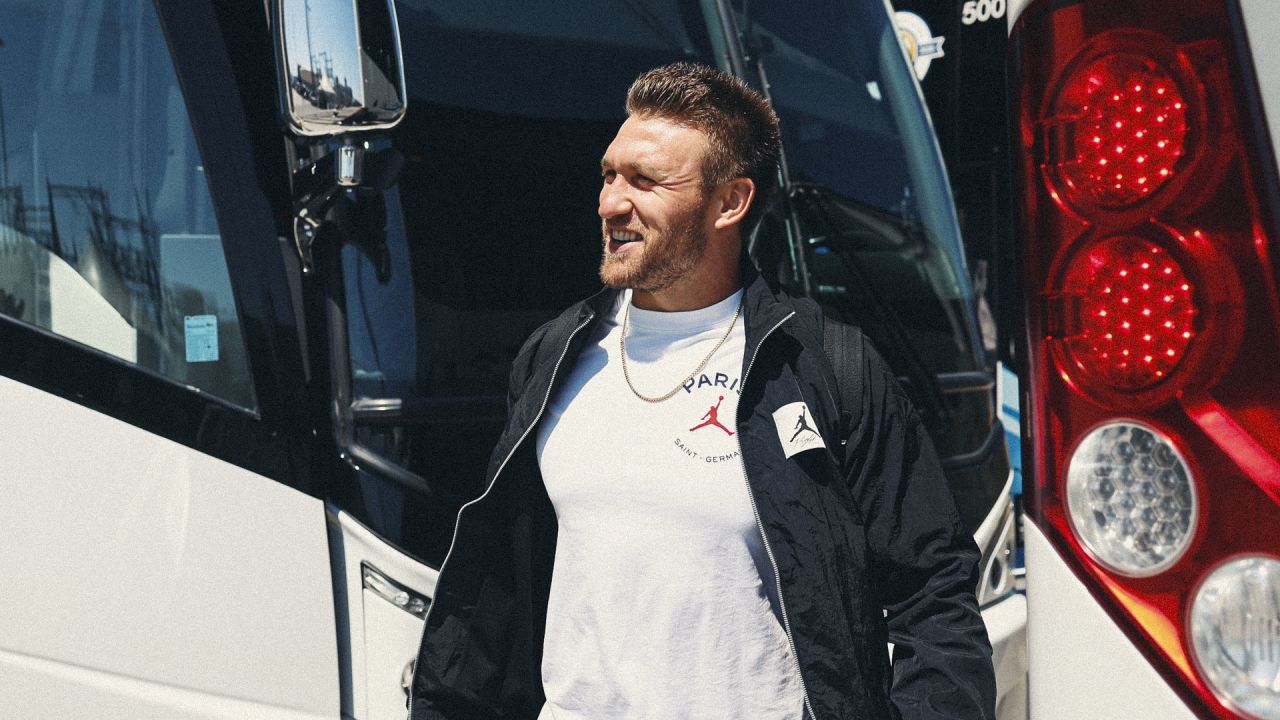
x,y
1125,128
1136,315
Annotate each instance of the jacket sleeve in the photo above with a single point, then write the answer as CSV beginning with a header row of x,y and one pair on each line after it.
x,y
433,698
923,562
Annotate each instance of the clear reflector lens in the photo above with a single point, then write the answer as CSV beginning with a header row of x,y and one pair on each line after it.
x,y
1130,498
1235,634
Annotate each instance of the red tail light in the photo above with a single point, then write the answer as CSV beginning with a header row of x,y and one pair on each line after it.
x,y
1125,118
1135,315
1149,264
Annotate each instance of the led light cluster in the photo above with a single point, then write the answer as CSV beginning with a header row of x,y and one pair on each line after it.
x,y
1136,314
1147,250
1129,129
1130,498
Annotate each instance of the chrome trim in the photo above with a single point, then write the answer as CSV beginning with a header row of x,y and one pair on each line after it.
x,y
375,581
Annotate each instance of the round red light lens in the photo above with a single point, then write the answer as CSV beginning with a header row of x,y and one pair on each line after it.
x,y
1126,130
1136,314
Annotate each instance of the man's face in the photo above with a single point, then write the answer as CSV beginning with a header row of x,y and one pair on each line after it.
x,y
654,208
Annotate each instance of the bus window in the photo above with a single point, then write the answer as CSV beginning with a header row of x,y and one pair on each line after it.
x,y
107,232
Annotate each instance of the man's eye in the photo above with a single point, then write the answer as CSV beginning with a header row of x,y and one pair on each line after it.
x,y
644,180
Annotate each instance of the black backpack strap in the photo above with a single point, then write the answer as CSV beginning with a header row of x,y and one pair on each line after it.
x,y
843,345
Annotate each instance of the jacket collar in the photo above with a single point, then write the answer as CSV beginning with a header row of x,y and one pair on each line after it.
x,y
764,305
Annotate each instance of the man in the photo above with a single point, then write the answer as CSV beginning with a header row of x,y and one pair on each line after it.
x,y
673,526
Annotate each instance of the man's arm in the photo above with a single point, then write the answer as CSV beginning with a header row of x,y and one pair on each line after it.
x,y
924,564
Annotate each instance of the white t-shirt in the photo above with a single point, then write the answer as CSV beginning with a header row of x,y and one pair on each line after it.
x,y
662,598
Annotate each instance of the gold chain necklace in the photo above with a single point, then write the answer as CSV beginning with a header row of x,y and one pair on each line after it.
x,y
626,315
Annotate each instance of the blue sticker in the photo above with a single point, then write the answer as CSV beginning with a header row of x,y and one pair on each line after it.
x,y
202,338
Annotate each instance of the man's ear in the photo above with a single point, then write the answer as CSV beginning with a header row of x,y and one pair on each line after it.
x,y
735,198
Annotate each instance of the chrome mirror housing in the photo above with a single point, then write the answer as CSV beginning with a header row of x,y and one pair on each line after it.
x,y
339,65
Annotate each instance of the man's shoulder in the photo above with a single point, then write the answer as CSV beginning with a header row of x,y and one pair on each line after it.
x,y
570,317
864,373
773,301
550,335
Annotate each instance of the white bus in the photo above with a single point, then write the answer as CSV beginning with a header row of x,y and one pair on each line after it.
x,y
256,319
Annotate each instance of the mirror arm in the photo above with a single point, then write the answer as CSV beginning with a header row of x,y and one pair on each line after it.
x,y
316,191
319,185
307,221
306,228
350,165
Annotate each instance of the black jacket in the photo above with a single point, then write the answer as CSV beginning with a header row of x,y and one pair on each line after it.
x,y
868,545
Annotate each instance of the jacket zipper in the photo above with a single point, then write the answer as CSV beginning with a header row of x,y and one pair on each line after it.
x,y
458,521
768,549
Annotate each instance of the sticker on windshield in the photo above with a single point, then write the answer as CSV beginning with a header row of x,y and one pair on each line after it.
x,y
922,47
202,338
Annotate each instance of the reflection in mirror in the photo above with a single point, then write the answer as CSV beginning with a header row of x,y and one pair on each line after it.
x,y
340,64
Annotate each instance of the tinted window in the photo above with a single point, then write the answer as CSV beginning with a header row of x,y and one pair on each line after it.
x,y
514,103
871,192
107,232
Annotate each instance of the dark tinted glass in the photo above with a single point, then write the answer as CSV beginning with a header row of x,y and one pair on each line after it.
x,y
870,188
107,231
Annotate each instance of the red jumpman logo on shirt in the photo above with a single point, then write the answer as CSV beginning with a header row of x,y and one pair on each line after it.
x,y
712,418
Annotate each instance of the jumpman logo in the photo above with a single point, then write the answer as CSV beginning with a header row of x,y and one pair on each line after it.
x,y
802,425
712,418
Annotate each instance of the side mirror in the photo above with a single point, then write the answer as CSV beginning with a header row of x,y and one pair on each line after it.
x,y
339,65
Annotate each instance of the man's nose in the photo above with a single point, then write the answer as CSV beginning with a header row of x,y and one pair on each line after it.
x,y
614,200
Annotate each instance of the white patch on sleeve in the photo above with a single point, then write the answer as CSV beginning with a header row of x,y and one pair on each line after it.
x,y
797,430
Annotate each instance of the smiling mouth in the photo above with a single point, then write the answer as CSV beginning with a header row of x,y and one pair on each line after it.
x,y
621,238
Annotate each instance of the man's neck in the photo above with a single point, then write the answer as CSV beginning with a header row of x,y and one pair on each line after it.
x,y
691,293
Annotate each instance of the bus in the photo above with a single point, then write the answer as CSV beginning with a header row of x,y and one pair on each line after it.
x,y
263,271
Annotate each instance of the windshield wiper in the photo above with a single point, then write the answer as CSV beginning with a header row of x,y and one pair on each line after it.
x,y
877,228
749,48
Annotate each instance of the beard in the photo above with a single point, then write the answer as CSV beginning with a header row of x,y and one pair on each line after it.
x,y
665,258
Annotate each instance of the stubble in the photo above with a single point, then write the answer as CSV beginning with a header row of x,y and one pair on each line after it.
x,y
665,259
